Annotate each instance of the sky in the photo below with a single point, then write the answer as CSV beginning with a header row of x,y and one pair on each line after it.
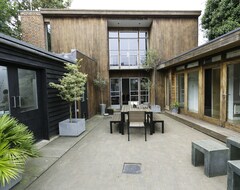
x,y
144,5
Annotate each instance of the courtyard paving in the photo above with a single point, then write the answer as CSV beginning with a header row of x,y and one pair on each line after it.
x,y
94,161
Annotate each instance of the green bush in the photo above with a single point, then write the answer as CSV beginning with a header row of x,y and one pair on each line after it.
x,y
16,146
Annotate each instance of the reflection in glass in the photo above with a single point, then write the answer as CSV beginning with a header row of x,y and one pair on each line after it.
x,y
115,91
27,90
4,95
233,100
193,92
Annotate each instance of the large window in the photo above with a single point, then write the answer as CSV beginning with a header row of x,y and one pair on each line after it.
x,y
127,48
180,89
193,91
234,93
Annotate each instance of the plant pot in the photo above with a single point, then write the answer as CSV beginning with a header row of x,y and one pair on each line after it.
x,y
74,128
102,108
12,183
175,110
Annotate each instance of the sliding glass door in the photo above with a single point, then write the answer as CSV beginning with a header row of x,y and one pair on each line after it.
x,y
193,91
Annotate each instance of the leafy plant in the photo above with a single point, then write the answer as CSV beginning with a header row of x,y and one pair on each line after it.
x,y
101,83
16,146
72,85
175,105
150,63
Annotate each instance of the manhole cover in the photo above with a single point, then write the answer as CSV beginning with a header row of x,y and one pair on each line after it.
x,y
132,168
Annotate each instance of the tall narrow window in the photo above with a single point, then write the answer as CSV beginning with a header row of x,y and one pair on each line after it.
x,y
48,36
233,100
180,89
4,92
212,93
193,91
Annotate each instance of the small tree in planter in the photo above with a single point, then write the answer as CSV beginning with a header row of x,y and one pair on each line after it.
x,y
150,63
71,87
101,83
16,146
175,107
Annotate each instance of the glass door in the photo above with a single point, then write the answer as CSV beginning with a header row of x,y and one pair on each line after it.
x,y
4,89
115,92
134,86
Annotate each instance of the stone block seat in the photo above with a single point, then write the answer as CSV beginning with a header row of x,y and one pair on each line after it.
x,y
212,155
233,179
233,143
116,119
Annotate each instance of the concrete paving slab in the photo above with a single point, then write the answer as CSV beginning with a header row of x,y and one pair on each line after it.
x,y
96,161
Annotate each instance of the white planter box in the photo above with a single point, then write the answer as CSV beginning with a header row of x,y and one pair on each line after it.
x,y
72,129
12,183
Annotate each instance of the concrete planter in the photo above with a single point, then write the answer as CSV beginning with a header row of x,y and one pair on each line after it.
x,y
102,108
12,183
75,128
175,110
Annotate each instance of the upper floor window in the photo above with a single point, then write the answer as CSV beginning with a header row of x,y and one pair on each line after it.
x,y
48,36
127,48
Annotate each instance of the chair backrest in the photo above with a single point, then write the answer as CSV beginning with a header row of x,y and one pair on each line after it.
x,y
136,116
131,103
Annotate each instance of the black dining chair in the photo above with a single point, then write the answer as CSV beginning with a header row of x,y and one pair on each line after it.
x,y
137,119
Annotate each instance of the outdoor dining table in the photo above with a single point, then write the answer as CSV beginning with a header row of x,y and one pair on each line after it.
x,y
126,108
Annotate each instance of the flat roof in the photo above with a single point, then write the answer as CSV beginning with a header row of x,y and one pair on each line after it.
x,y
117,13
13,42
224,42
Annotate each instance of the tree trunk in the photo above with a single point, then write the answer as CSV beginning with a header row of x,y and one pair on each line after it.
x,y
101,96
154,85
70,112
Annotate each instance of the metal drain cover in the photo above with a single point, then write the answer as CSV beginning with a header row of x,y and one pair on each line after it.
x,y
132,168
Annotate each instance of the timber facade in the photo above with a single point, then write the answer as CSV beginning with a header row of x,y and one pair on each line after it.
x,y
118,42
206,81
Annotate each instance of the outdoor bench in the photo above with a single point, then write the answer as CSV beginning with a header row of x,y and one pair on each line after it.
x,y
213,155
233,171
116,118
233,143
156,118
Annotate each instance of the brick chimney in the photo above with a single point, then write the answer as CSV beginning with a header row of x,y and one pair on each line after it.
x,y
32,26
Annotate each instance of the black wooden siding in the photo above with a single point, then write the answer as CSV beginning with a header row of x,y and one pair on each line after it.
x,y
55,109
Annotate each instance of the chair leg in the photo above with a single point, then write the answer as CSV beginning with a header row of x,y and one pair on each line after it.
x,y
145,133
128,134
162,126
110,127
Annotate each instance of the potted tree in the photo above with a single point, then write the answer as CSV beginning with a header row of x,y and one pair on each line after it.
x,y
175,107
16,146
101,83
71,87
150,63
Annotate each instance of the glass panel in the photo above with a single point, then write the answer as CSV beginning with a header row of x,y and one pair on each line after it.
x,y
212,93
133,58
134,84
124,58
113,58
129,34
48,36
180,89
113,44
4,96
128,44
134,89
113,34
142,44
143,34
193,91
233,110
27,89
115,91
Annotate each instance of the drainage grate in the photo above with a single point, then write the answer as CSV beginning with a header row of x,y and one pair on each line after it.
x,y
132,168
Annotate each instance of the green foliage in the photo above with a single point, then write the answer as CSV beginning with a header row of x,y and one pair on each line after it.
x,y
152,59
220,17
9,14
72,85
16,146
175,105
101,83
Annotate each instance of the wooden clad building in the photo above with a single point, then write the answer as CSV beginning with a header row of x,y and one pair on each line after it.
x,y
206,81
118,41
25,72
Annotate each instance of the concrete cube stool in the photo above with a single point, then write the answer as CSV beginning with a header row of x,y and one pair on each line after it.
x,y
212,155
233,143
233,180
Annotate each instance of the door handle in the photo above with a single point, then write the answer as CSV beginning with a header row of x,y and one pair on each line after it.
x,y
14,102
19,101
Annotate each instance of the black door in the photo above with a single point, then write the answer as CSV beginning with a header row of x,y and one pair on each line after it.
x,y
25,88
84,104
